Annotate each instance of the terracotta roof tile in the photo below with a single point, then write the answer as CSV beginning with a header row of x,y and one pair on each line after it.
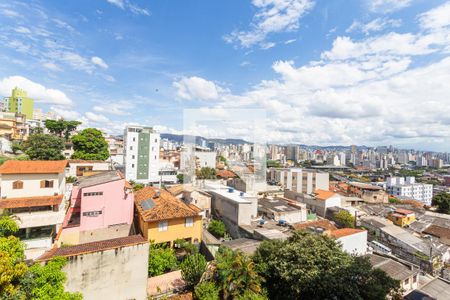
x,y
30,201
226,174
325,224
176,189
323,195
93,247
404,211
33,166
166,206
441,232
82,161
338,233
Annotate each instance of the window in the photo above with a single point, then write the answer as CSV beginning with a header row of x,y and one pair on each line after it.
x,y
189,222
131,147
93,194
415,279
132,156
46,184
94,213
17,185
162,226
134,139
406,281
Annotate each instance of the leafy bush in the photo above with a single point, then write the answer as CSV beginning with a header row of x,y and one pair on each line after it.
x,y
161,260
217,228
192,269
345,219
8,226
206,290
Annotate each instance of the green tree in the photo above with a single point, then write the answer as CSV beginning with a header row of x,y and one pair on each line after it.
x,y
8,226
206,290
236,274
61,127
206,173
217,228
44,147
309,266
442,201
192,269
136,185
161,260
180,178
345,219
90,144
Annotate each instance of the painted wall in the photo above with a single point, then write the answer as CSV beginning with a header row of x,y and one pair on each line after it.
x,y
355,243
100,166
176,230
32,185
112,274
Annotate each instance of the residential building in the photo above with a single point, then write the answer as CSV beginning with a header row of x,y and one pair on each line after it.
x,y
234,208
409,189
318,202
435,289
402,217
300,180
101,207
352,240
32,192
195,196
368,192
163,218
141,154
321,226
205,158
407,274
110,269
282,210
19,102
13,126
79,167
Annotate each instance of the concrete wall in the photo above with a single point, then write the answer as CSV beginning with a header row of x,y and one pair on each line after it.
x,y
97,166
355,243
176,229
32,185
119,274
206,159
240,213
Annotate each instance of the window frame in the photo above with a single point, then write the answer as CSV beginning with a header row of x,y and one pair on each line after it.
x,y
163,225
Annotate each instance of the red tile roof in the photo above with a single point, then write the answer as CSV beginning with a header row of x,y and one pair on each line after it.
x,y
338,233
33,166
404,211
226,174
82,161
324,223
323,195
93,247
166,206
30,201
441,232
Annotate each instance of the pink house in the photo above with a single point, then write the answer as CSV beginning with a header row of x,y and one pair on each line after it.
x,y
101,207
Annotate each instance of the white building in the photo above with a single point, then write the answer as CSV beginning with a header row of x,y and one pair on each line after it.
x,y
33,193
300,180
77,167
408,188
141,154
353,241
205,158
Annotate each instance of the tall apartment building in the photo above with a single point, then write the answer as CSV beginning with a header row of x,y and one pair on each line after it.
x,y
300,180
19,103
408,188
141,154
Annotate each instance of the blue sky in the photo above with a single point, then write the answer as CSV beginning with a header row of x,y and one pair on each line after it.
x,y
326,72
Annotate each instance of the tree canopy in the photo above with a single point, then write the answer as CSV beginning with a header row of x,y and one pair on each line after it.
x,y
345,219
206,173
8,226
192,269
308,266
61,127
442,201
43,147
90,144
161,260
217,228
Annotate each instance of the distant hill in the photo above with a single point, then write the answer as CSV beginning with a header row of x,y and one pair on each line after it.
x,y
178,138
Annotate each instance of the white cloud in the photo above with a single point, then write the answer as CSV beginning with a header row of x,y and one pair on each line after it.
x,y
197,88
118,108
35,90
375,25
97,118
273,16
51,66
388,6
127,5
437,17
22,29
99,62
65,114
290,41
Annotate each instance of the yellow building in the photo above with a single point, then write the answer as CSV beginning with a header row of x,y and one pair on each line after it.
x,y
402,217
13,126
162,218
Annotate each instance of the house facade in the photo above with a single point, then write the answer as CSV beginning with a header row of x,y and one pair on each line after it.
x,y
33,193
163,218
101,207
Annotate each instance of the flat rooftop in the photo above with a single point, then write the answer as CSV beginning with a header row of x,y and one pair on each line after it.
x,y
276,204
228,192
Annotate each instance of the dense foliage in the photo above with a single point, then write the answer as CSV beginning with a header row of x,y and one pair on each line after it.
x,y
20,282
7,226
308,266
61,128
206,290
90,144
192,269
206,173
442,201
217,228
161,259
345,219
43,147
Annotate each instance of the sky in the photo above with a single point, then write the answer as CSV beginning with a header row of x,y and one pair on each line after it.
x,y
321,72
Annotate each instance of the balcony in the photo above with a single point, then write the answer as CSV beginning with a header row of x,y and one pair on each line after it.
x,y
39,218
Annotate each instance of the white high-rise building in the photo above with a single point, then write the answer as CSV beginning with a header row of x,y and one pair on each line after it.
x,y
300,180
408,188
141,154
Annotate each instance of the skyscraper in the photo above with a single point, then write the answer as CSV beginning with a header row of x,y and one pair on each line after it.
x,y
19,103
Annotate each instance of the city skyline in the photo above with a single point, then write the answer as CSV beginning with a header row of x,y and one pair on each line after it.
x,y
373,74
